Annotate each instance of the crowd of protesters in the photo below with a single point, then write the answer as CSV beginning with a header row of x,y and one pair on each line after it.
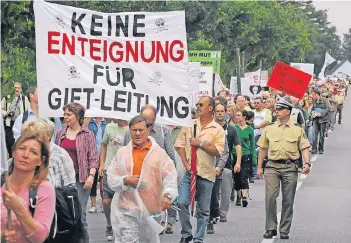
x,y
142,168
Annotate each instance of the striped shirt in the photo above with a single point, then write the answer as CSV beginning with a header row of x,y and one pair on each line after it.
x,y
86,151
61,171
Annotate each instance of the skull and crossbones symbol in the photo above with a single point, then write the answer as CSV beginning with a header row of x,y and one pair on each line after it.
x,y
73,72
156,78
160,23
59,21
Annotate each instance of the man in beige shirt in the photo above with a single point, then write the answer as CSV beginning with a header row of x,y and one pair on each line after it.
x,y
210,142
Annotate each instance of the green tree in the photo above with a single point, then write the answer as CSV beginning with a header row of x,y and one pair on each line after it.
x,y
264,30
346,47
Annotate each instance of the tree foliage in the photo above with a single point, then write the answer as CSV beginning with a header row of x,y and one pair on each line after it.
x,y
266,31
346,47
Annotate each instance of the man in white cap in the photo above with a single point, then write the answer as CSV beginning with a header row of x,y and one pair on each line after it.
x,y
283,141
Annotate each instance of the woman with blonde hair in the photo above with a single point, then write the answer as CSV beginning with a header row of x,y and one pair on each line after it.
x,y
61,170
28,170
232,109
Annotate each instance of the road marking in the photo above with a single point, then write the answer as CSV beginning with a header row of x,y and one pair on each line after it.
x,y
299,184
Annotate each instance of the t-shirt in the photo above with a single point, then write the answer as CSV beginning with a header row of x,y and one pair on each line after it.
x,y
264,115
113,138
71,148
247,141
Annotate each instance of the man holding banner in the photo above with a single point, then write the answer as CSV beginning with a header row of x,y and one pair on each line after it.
x,y
209,143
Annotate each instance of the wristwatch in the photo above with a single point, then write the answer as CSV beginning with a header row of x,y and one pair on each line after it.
x,y
168,196
309,164
93,175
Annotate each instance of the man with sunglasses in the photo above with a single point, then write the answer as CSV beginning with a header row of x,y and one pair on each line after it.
x,y
209,142
283,141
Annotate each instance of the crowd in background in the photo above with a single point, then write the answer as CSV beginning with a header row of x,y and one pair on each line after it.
x,y
79,152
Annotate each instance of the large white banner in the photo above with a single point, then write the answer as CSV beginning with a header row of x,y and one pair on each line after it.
x,y
112,63
206,81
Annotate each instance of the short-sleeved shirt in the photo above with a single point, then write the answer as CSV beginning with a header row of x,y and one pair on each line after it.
x,y
139,155
283,141
114,139
214,134
261,116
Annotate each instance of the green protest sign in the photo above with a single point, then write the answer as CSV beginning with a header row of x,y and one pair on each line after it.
x,y
207,59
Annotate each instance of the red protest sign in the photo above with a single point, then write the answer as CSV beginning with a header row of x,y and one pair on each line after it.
x,y
289,80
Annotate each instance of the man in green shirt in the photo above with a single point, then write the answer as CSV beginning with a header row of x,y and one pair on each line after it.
x,y
112,141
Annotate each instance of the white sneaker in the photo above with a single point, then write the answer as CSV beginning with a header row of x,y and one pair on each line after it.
x,y
93,210
109,233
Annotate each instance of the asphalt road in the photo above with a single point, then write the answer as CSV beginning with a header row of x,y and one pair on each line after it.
x,y
322,210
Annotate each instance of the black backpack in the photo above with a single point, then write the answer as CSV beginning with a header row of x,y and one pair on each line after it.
x,y
67,225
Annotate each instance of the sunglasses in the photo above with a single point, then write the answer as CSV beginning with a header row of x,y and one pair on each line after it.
x,y
200,104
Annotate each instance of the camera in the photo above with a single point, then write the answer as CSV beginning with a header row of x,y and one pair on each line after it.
x,y
10,114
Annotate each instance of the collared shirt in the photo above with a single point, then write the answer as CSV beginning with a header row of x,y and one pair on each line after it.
x,y
86,151
139,155
17,127
283,141
214,134
61,171
162,136
99,133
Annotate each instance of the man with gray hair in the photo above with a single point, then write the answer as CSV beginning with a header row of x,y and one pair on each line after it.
x,y
11,108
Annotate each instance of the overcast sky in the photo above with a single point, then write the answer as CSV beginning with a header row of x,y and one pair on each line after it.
x,y
339,13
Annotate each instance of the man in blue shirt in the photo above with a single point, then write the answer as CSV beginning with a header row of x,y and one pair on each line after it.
x,y
97,126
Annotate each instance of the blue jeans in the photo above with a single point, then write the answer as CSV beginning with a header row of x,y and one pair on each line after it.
x,y
310,134
83,196
203,198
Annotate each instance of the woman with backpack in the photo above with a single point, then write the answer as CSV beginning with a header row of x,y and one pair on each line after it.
x,y
80,144
28,171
